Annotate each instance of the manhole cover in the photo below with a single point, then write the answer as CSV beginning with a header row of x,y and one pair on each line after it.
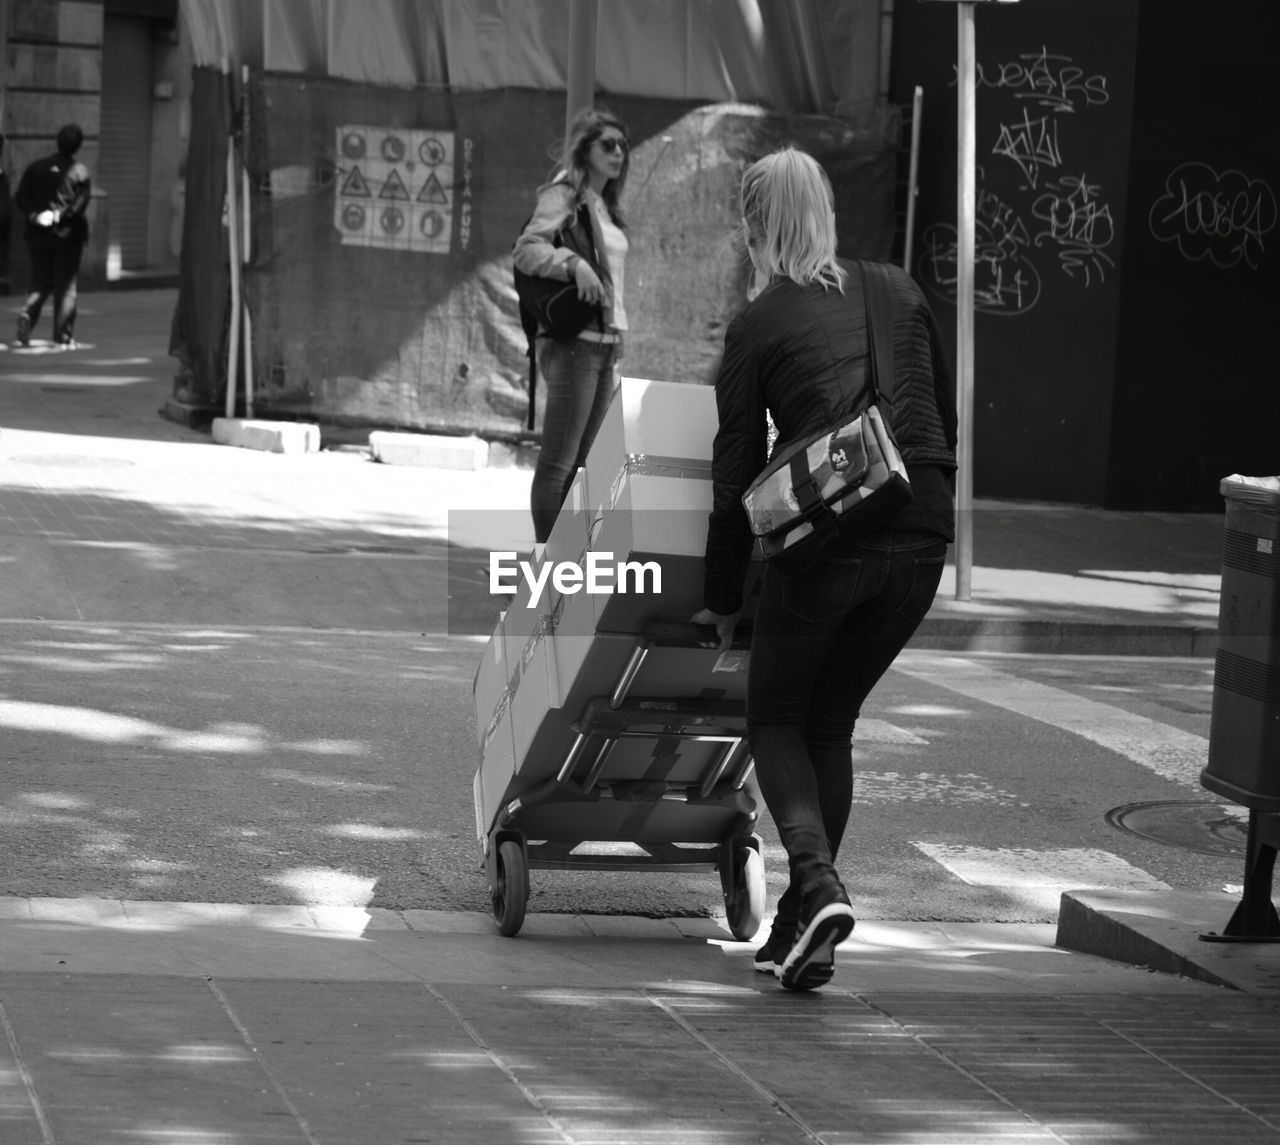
x,y
73,461
1207,828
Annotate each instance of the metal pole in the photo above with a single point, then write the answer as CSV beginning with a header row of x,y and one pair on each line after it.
x,y
966,209
233,240
246,240
913,178
580,86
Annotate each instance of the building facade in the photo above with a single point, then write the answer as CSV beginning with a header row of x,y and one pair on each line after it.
x,y
120,69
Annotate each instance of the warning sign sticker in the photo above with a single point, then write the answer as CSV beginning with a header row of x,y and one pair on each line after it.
x,y
394,188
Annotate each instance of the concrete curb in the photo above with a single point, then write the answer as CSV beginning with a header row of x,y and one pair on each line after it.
x,y
1161,930
267,436
1100,637
429,451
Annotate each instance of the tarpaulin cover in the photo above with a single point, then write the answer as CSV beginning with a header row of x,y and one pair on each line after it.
x,y
381,286
793,55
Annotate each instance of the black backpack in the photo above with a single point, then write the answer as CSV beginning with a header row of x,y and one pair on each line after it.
x,y
554,306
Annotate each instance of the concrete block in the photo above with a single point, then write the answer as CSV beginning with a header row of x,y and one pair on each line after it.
x,y
433,451
267,436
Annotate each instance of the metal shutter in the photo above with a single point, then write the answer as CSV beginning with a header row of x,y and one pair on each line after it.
x,y
124,150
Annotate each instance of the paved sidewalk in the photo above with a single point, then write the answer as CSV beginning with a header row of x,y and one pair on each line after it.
x,y
181,1023
207,1024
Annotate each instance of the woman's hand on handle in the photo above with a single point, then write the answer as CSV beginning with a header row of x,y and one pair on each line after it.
x,y
724,625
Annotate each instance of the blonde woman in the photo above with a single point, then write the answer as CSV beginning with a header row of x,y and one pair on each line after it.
x,y
579,375
822,638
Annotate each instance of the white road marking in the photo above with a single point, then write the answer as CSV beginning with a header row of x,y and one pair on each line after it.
x,y
1168,751
1069,868
885,787
880,731
1038,879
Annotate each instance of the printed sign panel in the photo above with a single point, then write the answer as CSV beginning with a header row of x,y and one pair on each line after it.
x,y
394,188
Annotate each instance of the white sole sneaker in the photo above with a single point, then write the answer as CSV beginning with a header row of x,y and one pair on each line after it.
x,y
812,960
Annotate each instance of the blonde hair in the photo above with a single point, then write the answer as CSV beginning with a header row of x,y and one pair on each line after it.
x,y
789,212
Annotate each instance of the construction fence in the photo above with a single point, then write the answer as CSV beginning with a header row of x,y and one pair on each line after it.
x,y
378,279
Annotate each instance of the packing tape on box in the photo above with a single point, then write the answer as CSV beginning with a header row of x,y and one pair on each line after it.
x,y
653,465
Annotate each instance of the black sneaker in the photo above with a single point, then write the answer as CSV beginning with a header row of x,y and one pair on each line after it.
x,y
829,921
782,937
24,330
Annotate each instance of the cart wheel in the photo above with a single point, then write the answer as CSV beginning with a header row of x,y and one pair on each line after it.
x,y
744,892
512,892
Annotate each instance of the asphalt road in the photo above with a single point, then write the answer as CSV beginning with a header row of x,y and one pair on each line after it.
x,y
222,763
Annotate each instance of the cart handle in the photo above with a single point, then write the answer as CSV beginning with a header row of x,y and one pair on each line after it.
x,y
682,634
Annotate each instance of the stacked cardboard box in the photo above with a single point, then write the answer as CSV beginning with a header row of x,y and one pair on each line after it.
x,y
642,499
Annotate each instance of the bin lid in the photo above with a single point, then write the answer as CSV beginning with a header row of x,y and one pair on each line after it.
x,y
1262,492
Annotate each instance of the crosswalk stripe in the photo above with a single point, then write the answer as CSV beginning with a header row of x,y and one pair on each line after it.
x,y
1168,751
881,731
1068,868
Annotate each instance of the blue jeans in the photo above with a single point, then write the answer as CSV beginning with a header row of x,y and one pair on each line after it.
x,y
579,377
821,641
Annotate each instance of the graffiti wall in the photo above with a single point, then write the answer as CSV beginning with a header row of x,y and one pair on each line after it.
x,y
1054,98
1126,213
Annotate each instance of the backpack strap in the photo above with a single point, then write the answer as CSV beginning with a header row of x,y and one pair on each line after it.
x,y
529,324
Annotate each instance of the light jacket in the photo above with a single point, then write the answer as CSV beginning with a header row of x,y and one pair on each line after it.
x,y
535,252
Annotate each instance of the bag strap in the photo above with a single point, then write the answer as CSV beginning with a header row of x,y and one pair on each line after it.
x,y
877,294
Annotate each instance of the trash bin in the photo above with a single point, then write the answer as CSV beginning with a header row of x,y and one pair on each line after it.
x,y
1244,730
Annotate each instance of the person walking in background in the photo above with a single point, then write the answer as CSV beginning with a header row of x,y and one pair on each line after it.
x,y
580,375
821,638
53,196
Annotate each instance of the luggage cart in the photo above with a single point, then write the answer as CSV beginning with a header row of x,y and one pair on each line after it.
x,y
679,818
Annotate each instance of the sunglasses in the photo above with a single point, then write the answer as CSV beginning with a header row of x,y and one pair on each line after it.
x,y
609,146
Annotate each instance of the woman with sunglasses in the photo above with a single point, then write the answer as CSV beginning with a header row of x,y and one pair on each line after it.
x,y
579,375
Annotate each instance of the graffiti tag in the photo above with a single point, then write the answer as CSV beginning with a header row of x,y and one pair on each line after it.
x,y
1223,217
1005,281
1031,144
1079,223
1048,79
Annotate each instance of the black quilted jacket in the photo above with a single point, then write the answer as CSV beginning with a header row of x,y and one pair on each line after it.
x,y
801,352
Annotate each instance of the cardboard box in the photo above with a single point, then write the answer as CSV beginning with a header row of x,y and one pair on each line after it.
x,y
568,536
658,421
648,480
492,678
495,776
524,616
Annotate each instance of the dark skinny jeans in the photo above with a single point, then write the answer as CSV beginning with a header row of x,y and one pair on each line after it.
x,y
821,641
579,378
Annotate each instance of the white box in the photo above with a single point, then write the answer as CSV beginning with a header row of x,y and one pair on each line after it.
x,y
496,773
524,617
663,422
492,679
568,537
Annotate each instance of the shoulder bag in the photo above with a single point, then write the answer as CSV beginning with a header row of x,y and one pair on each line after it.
x,y
845,480
553,305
